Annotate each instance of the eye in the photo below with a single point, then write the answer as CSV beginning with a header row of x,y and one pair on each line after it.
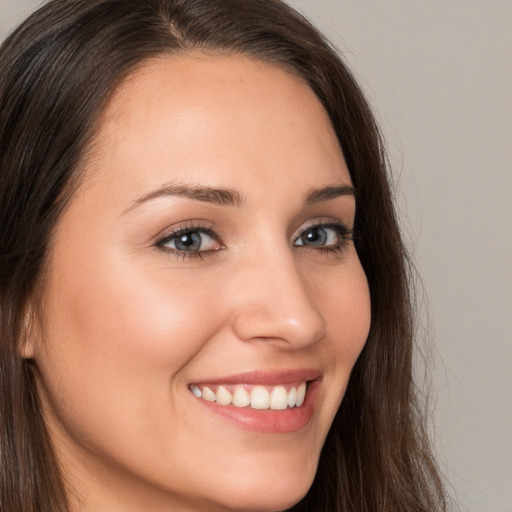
x,y
190,241
331,236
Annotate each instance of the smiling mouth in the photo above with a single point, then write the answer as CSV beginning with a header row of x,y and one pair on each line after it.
x,y
277,398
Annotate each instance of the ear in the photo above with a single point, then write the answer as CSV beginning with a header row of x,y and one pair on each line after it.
x,y
29,334
26,349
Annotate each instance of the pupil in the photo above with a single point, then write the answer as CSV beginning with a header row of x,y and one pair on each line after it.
x,y
316,236
188,242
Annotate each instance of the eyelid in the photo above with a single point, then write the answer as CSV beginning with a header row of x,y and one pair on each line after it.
x,y
344,233
193,226
335,224
344,236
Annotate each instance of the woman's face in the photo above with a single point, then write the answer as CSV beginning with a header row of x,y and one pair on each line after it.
x,y
208,253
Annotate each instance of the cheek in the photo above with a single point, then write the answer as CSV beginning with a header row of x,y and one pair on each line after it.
x,y
345,305
346,308
130,318
353,315
116,338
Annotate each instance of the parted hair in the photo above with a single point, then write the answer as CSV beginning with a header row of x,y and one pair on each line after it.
x,y
58,70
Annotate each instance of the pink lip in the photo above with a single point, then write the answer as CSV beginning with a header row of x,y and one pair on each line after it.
x,y
268,421
265,378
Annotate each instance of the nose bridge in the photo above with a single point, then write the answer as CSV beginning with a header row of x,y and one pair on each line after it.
x,y
273,302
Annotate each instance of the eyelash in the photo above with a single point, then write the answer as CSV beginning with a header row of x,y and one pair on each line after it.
x,y
345,235
192,228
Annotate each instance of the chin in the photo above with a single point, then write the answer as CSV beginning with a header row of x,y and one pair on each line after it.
x,y
271,498
273,490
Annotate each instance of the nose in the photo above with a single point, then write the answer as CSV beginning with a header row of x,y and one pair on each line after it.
x,y
273,302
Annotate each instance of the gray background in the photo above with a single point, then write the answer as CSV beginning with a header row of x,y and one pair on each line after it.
x,y
439,75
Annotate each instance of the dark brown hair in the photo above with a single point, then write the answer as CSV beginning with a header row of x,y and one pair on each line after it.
x,y
58,70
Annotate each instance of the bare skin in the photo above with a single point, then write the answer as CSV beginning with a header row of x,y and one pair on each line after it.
x,y
135,313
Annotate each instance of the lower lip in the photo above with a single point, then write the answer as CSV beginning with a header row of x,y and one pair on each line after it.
x,y
268,421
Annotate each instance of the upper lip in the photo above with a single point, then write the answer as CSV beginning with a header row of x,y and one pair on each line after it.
x,y
266,377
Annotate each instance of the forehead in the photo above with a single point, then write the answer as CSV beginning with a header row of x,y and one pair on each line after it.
x,y
208,119
203,80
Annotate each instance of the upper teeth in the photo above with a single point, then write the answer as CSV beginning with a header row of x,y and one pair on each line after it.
x,y
259,397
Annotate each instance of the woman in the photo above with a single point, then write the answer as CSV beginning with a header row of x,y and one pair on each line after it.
x,y
194,313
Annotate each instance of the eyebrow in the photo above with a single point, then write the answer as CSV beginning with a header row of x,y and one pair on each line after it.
x,y
228,197
317,195
218,196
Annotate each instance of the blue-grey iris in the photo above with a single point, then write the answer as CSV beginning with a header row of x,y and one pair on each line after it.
x,y
314,236
188,241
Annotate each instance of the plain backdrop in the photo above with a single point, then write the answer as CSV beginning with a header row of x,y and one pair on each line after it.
x,y
439,76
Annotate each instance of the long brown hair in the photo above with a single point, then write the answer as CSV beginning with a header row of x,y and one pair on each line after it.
x,y
58,70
